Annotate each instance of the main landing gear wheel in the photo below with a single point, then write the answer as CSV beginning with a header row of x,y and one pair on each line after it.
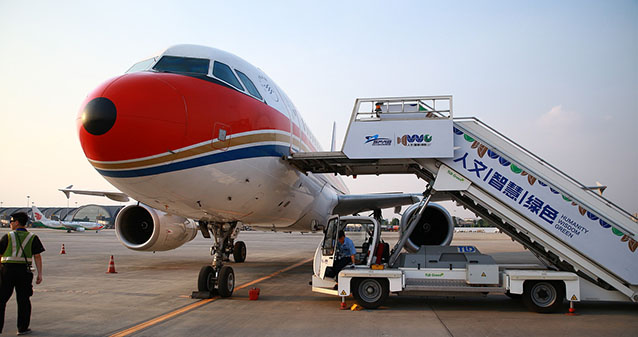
x,y
239,251
543,296
206,280
370,293
226,281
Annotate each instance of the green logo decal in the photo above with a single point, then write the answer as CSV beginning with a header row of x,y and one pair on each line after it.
x,y
453,174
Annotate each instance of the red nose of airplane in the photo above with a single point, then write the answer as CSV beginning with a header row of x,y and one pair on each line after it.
x,y
132,116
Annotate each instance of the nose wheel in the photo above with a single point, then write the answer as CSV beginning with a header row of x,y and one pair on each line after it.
x,y
210,282
207,279
218,279
226,281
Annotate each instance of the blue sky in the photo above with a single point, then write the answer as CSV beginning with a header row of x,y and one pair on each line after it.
x,y
559,78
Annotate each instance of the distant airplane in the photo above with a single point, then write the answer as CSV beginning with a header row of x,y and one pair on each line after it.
x,y
79,226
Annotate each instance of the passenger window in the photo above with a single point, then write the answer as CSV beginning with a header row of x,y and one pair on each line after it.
x,y
223,72
183,65
248,84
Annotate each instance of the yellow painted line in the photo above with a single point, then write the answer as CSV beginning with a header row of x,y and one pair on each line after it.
x,y
273,274
200,303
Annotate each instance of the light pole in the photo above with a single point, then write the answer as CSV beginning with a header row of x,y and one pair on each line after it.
x,y
28,197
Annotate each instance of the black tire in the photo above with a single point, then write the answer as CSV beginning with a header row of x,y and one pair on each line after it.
x,y
370,293
226,281
206,279
239,251
544,296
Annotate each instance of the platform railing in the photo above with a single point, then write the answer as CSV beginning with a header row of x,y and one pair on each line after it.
x,y
416,107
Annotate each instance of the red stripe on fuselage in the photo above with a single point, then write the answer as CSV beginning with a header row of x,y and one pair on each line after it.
x,y
161,112
303,138
307,141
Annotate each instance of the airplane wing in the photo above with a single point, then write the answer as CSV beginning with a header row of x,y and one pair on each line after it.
x,y
116,196
356,203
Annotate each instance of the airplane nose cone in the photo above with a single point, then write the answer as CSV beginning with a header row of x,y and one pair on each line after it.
x,y
99,116
133,116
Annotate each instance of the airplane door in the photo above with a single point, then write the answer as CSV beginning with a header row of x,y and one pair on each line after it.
x,y
295,131
281,103
329,246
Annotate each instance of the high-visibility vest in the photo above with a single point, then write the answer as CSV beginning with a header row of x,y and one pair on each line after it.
x,y
16,253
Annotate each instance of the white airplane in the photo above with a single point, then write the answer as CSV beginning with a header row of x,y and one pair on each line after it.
x,y
78,226
199,133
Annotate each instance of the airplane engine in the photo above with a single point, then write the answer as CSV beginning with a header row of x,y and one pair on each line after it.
x,y
434,228
140,227
80,229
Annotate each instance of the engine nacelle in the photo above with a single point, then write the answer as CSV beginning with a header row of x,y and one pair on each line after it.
x,y
434,228
80,229
140,227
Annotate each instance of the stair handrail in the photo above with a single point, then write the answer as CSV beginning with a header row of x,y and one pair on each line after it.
x,y
545,163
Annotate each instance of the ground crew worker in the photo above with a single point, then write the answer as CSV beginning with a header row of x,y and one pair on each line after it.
x,y
346,252
19,248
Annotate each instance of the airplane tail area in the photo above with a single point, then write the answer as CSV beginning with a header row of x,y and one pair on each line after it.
x,y
37,215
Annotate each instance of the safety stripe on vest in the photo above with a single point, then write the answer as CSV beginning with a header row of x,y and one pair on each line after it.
x,y
17,255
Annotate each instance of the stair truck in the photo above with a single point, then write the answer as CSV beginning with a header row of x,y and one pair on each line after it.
x,y
587,242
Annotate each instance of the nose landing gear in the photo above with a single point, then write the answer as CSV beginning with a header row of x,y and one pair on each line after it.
x,y
217,279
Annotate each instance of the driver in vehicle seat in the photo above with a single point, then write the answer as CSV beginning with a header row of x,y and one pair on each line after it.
x,y
345,251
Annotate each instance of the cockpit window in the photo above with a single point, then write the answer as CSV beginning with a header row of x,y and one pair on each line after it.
x,y
183,65
248,84
142,65
223,72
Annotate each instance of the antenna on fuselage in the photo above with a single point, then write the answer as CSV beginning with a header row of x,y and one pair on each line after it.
x,y
333,143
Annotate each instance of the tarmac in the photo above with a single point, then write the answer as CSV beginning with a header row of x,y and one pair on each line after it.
x,y
150,295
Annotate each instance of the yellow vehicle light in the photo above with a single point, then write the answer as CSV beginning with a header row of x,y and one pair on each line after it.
x,y
378,267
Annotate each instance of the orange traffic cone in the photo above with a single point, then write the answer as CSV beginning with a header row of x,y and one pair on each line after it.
x,y
111,269
63,251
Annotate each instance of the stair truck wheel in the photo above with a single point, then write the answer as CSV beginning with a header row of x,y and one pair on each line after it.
x,y
206,279
370,293
239,251
226,281
543,296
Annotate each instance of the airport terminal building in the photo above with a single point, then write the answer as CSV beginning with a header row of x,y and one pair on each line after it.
x,y
103,214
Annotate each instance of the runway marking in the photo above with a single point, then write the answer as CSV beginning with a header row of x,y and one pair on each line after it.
x,y
198,304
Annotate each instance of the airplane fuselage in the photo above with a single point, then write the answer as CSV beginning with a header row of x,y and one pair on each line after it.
x,y
200,133
70,225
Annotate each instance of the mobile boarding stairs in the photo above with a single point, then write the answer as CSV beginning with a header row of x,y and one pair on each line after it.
x,y
567,225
